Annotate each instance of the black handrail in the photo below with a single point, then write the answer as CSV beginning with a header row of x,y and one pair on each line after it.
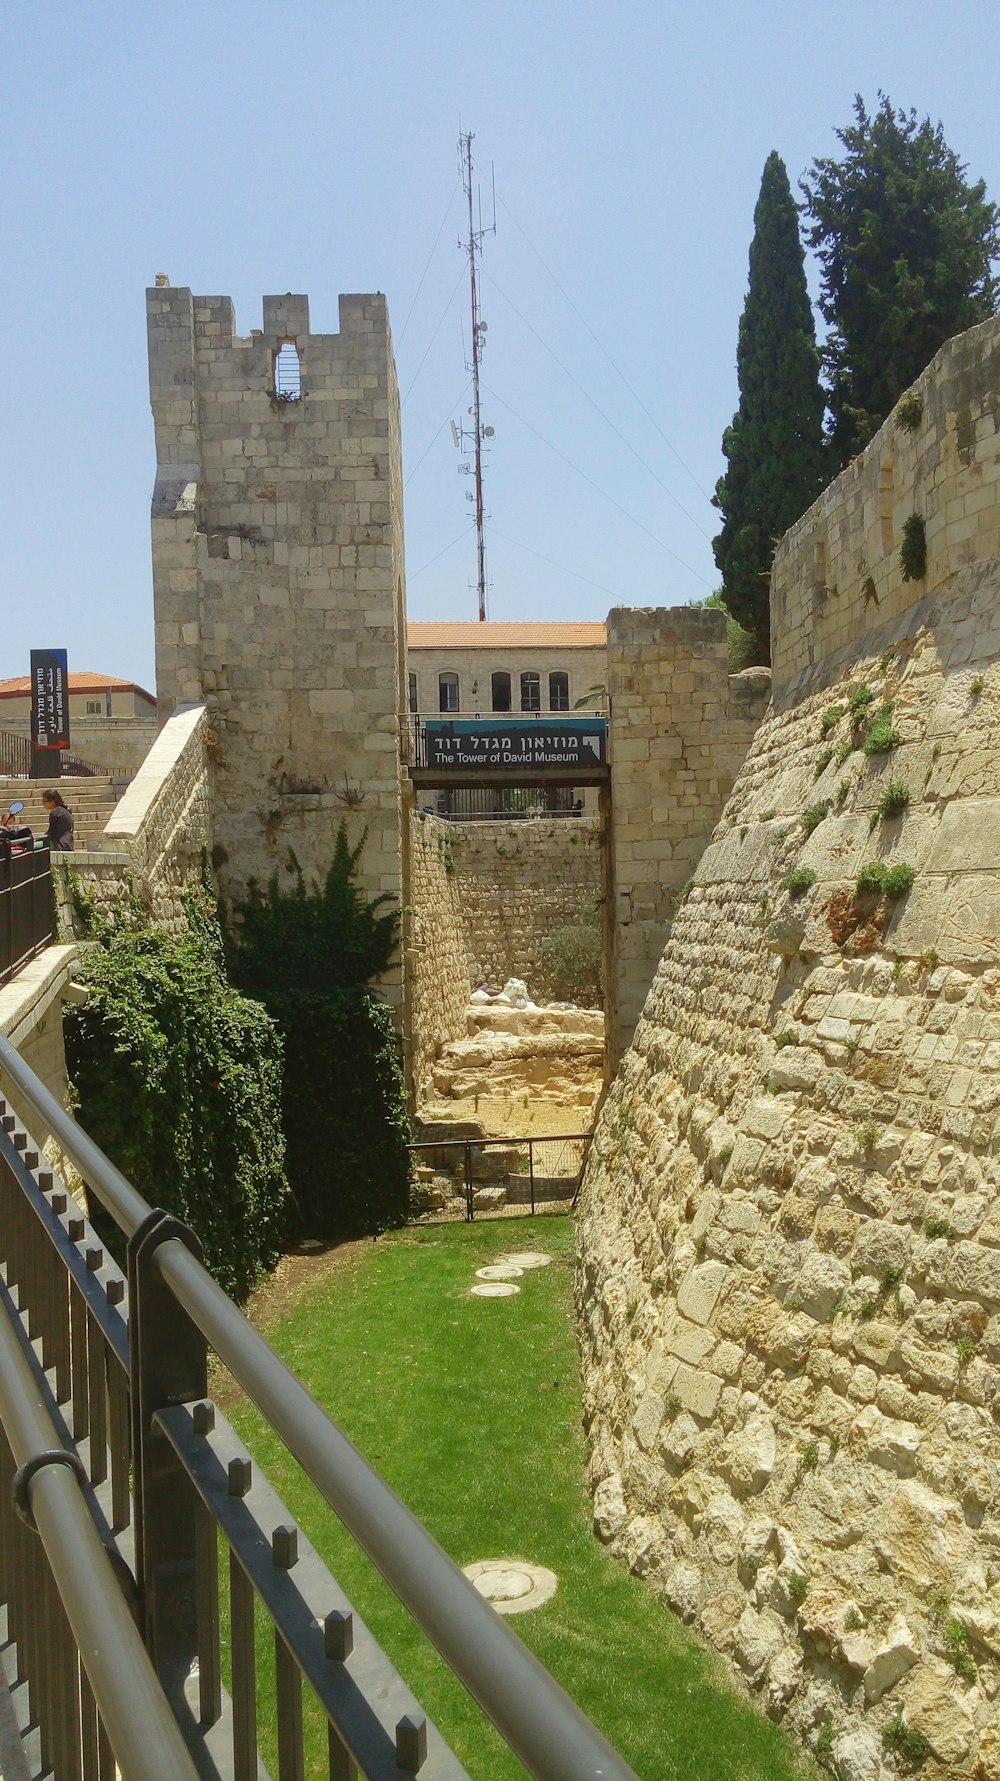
x,y
545,1729
141,1727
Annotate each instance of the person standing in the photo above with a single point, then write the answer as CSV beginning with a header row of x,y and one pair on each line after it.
x,y
60,830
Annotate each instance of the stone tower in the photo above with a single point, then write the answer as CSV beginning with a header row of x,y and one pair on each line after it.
x,y
278,573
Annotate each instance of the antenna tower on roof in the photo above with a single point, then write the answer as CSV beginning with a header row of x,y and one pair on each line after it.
x,y
472,438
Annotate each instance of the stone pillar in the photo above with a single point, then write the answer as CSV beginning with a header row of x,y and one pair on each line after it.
x,y
677,739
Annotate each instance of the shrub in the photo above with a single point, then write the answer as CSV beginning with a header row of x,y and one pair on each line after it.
x,y
831,716
861,698
936,1226
843,751
823,761
571,956
800,879
798,1588
910,411
956,1644
911,1746
809,1454
868,1134
813,815
309,956
178,1078
894,800
787,1037
976,685
878,879
913,549
881,734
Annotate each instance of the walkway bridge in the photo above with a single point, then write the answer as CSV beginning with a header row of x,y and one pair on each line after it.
x,y
140,1544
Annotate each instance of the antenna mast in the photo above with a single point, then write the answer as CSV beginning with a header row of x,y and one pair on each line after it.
x,y
473,246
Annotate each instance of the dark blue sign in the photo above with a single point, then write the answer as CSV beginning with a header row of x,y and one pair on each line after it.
x,y
49,699
488,742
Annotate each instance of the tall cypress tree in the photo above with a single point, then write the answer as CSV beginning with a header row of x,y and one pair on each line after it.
x,y
906,247
774,447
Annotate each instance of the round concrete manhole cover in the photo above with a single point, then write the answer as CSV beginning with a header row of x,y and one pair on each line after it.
x,y
499,1271
494,1289
510,1585
527,1258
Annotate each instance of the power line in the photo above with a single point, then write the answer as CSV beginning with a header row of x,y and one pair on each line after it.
x,y
435,334
596,405
426,269
600,491
437,433
554,565
441,553
599,343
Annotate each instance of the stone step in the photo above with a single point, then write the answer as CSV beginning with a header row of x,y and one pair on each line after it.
x,y
91,801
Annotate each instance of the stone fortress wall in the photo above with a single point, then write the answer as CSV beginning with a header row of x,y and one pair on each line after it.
x,y
437,955
680,726
789,1291
518,883
278,577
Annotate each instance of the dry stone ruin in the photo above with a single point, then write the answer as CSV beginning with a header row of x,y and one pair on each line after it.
x,y
789,1285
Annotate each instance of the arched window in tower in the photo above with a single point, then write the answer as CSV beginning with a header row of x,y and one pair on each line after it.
x,y
500,690
558,692
287,372
531,691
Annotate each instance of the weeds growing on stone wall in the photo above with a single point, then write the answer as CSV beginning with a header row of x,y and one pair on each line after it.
x,y
813,815
861,698
310,956
798,880
894,800
831,717
911,1746
976,685
823,761
913,549
910,411
571,958
882,735
877,879
178,1078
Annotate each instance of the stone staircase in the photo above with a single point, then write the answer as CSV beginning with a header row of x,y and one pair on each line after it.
x,y
91,801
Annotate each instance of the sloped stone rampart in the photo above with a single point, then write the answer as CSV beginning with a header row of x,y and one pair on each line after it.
x,y
153,842
789,1286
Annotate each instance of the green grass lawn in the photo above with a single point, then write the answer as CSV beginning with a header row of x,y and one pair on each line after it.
x,y
470,1408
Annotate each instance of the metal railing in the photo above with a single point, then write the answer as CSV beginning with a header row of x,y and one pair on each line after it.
x,y
25,907
164,1482
469,1178
15,754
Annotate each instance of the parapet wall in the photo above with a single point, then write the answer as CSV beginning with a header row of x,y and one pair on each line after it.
x,y
789,1292
518,884
437,962
837,576
278,576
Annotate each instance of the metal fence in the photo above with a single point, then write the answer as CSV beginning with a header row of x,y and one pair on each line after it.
x,y
141,1529
25,907
15,754
468,1178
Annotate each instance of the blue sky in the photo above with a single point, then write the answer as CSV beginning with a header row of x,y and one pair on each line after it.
x,y
249,148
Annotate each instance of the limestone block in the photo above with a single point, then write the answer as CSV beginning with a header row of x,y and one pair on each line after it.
x,y
610,1514
747,1457
940,1712
698,1391
819,1285
896,1655
699,1292
758,1640
922,1537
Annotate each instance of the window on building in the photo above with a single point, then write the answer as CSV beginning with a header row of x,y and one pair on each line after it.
x,y
558,692
413,693
501,691
287,372
93,707
447,692
531,692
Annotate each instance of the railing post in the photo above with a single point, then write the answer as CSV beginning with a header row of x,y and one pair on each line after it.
x,y
531,1171
468,1182
167,1366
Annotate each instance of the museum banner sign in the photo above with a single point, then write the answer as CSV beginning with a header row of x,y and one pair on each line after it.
x,y
49,699
470,742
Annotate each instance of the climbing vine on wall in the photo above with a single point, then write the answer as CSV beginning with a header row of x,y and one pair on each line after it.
x,y
310,955
177,1076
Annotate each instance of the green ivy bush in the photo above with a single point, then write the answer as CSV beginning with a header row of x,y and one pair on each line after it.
x,y
571,960
178,1078
309,956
